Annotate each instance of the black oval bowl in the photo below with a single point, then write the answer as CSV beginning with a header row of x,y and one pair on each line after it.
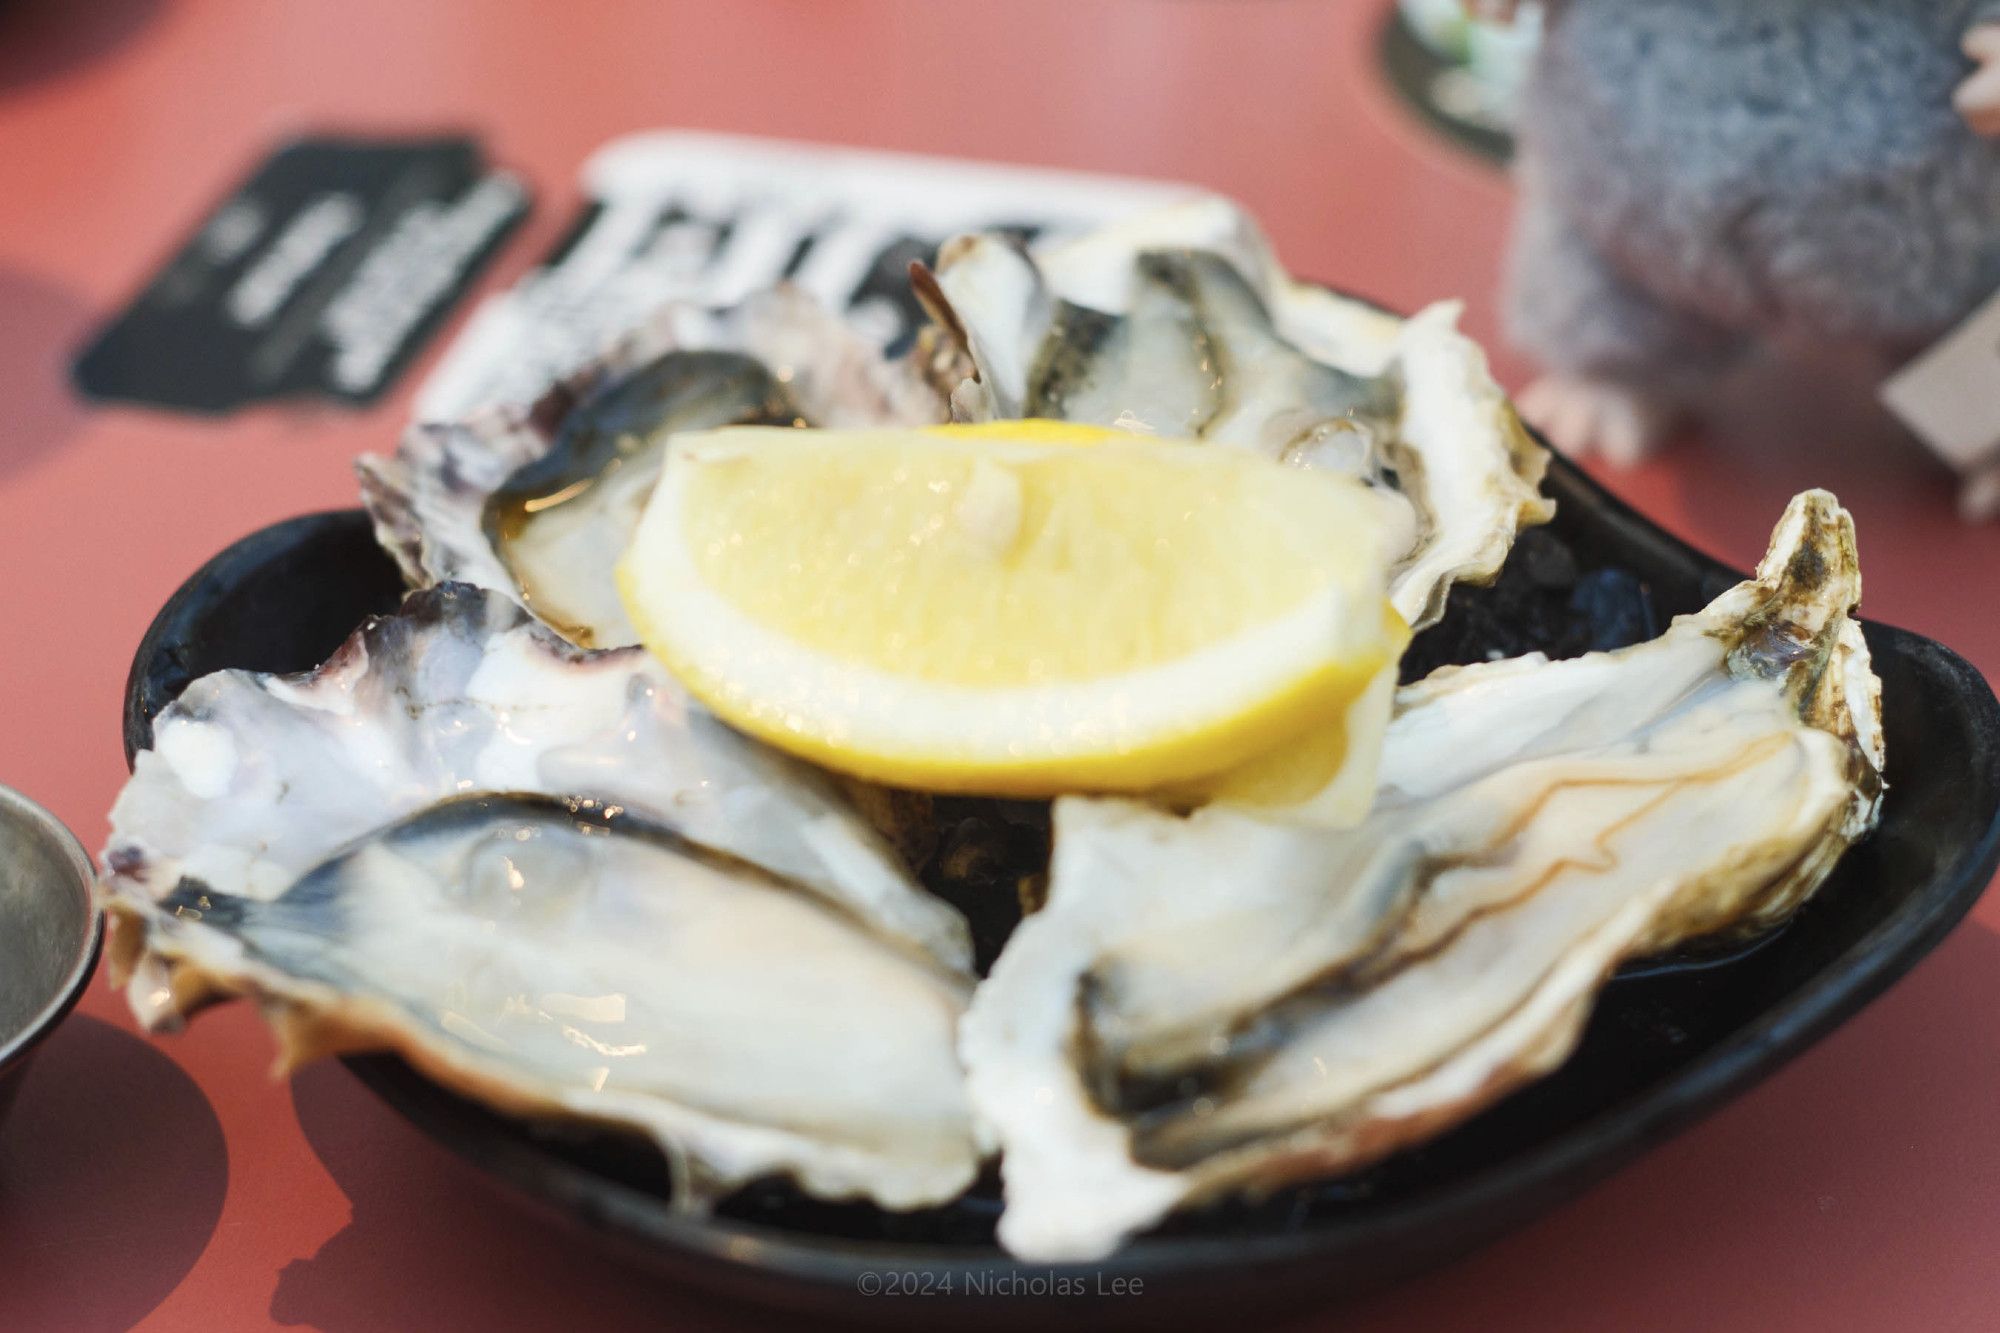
x,y
1665,1044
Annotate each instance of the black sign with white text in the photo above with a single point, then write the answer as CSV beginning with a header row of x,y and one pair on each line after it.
x,y
320,275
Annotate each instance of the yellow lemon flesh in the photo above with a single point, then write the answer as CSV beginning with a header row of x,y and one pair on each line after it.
x,y
1021,608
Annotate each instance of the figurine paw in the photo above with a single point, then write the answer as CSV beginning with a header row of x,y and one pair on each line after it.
x,y
1978,98
1583,416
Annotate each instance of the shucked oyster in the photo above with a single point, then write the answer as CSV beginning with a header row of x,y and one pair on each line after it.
x,y
328,843
548,957
539,502
1182,323
1220,1002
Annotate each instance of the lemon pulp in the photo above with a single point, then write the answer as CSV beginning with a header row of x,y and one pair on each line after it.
x,y
1023,608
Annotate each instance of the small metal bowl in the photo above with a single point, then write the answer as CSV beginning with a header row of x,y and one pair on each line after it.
x,y
50,931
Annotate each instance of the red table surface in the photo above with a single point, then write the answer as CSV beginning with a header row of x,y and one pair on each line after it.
x,y
176,1185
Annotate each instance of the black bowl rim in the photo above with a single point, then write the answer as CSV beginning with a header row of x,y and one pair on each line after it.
x,y
25,813
1509,1191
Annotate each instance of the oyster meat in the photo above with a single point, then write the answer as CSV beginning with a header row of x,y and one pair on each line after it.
x,y
553,882
550,957
540,501
1182,323
1223,1002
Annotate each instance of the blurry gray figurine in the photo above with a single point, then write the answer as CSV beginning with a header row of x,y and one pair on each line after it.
x,y
1699,174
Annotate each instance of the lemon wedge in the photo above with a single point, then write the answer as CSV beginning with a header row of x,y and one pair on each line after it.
x,y
1019,609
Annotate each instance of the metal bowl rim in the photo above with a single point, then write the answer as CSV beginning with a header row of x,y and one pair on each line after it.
x,y
19,810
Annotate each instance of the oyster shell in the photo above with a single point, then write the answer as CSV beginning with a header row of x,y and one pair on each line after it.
x,y
539,502
254,779
552,882
548,957
1182,323
1224,1002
